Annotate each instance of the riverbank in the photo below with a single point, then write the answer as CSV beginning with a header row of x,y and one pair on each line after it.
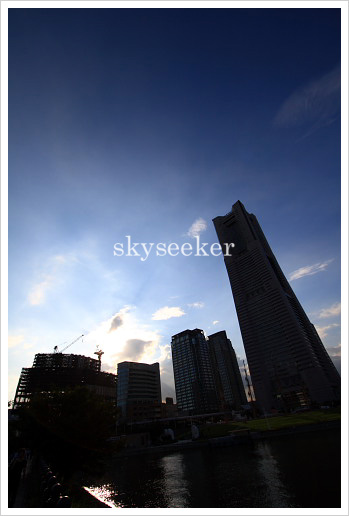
x,y
236,437
33,491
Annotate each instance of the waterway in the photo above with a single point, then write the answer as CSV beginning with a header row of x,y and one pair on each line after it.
x,y
291,471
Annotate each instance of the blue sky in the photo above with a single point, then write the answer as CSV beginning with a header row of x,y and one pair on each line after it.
x,y
141,122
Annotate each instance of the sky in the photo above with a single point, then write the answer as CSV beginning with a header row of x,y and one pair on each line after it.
x,y
149,123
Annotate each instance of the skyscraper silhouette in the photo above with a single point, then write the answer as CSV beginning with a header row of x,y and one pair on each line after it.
x,y
193,375
288,363
229,385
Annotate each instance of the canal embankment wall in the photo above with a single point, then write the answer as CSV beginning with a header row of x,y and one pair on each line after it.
x,y
233,439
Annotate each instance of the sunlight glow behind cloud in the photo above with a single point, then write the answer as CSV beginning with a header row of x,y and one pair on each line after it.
x,y
116,323
135,342
131,341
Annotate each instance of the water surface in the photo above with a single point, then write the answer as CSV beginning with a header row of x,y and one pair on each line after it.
x,y
293,471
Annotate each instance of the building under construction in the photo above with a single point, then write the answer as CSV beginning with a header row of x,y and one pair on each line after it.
x,y
52,372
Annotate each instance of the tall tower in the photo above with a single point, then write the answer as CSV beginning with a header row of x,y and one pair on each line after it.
x,y
226,370
288,363
193,375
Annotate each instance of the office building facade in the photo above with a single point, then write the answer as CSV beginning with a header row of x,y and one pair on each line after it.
x,y
288,363
193,375
139,391
229,384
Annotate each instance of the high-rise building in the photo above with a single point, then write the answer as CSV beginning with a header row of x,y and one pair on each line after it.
x,y
169,409
288,363
58,371
229,385
139,391
193,375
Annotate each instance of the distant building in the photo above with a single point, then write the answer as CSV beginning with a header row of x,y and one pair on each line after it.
x,y
57,371
169,409
193,375
139,391
288,363
229,385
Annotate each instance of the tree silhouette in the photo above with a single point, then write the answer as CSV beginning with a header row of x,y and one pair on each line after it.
x,y
68,427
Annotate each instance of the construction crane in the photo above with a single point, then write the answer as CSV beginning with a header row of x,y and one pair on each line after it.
x,y
56,350
99,353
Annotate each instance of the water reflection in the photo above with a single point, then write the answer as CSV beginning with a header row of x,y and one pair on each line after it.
x,y
175,485
104,493
275,491
298,471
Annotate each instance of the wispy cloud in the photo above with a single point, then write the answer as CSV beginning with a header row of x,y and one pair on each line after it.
x,y
198,226
323,330
198,304
167,312
215,322
334,351
15,340
335,354
309,270
38,292
49,277
315,105
332,311
19,345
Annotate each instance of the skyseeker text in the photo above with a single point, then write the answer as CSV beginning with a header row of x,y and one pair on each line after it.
x,y
143,250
